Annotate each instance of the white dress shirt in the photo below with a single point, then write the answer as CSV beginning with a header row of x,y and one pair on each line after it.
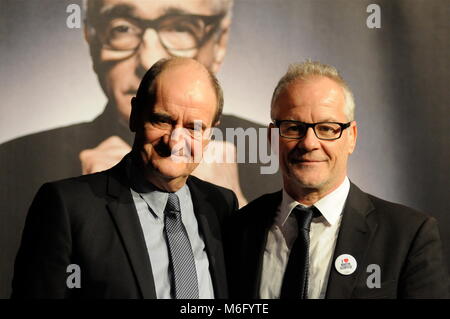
x,y
150,204
323,235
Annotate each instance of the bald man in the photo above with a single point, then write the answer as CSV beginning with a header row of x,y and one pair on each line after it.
x,y
145,228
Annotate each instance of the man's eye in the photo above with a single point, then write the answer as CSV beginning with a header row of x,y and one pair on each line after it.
x,y
294,128
326,128
162,123
181,25
121,27
193,131
181,29
193,128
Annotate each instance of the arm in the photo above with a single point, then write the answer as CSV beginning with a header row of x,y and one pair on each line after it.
x,y
424,274
45,250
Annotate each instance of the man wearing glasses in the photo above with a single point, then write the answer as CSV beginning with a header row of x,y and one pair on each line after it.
x,y
125,39
321,236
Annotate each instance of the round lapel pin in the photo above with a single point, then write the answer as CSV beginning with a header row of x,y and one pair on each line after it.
x,y
345,264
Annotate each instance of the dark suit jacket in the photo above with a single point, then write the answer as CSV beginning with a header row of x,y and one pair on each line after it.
x,y
92,221
30,161
403,242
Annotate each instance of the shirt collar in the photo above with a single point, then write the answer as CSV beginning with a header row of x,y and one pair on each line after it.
x,y
330,206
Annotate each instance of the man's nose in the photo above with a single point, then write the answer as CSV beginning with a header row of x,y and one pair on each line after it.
x,y
176,135
310,141
150,51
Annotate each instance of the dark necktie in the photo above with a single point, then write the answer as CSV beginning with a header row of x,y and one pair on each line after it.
x,y
181,263
295,280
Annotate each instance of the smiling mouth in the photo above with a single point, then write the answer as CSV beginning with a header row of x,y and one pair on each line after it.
x,y
162,150
305,162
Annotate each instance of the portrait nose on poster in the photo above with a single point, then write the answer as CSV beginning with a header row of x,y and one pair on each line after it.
x,y
151,49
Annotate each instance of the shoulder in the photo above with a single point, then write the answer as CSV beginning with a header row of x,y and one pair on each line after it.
x,y
408,240
394,217
218,202
75,201
58,200
263,207
213,193
266,200
79,187
395,212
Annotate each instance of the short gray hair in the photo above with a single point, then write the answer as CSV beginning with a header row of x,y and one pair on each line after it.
x,y
308,69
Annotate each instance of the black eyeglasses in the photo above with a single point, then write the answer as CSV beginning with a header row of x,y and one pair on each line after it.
x,y
180,34
324,130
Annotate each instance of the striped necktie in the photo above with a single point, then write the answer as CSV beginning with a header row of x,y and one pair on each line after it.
x,y
181,264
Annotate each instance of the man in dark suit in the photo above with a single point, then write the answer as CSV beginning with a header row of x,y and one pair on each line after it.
x,y
321,236
121,51
144,228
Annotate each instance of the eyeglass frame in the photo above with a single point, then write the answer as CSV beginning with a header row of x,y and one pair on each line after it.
x,y
145,24
343,126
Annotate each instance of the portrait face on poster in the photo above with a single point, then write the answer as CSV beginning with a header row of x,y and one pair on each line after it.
x,y
127,37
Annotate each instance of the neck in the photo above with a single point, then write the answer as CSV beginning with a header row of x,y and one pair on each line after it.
x,y
162,183
170,185
308,196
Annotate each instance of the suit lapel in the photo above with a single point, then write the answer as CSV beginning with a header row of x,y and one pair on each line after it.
x,y
354,238
211,231
124,214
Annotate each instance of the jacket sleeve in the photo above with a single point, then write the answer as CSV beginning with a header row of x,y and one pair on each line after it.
x,y
424,274
45,250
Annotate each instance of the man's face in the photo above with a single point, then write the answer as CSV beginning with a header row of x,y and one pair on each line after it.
x,y
184,95
311,163
123,49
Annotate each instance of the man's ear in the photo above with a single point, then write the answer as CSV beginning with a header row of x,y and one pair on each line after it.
x,y
269,133
133,115
220,47
353,135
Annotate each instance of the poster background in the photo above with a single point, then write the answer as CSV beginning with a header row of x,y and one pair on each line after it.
x,y
399,74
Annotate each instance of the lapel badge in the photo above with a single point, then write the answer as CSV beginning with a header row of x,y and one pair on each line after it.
x,y
345,264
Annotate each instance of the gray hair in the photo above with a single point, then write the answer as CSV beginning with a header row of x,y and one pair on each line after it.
x,y
308,69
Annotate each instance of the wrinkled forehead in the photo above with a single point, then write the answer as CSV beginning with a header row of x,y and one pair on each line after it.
x,y
152,9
